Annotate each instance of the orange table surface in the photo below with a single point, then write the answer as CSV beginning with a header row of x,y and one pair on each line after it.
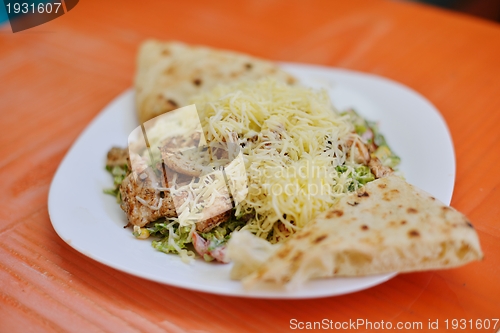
x,y
56,77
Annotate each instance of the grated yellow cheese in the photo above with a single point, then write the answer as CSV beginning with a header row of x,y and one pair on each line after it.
x,y
292,140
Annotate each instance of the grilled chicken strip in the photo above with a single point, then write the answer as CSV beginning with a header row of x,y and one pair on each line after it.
x,y
358,149
142,202
198,160
207,225
117,157
193,162
378,169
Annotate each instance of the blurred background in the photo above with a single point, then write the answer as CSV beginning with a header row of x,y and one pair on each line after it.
x,y
487,9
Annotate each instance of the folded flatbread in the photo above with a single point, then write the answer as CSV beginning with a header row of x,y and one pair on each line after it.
x,y
387,226
170,73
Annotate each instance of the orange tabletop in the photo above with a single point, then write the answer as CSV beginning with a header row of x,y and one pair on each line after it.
x,y
57,77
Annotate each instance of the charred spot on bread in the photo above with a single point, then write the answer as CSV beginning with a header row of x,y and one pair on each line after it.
x,y
282,254
412,210
390,195
334,213
297,256
364,227
248,66
169,71
320,238
172,103
413,233
197,82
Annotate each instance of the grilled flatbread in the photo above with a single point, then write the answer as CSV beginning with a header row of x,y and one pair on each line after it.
x,y
170,73
387,226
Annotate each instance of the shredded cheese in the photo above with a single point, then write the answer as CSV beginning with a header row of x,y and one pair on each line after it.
x,y
145,203
195,201
292,139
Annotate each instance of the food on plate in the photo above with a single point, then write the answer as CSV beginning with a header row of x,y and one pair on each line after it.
x,y
170,73
297,156
386,226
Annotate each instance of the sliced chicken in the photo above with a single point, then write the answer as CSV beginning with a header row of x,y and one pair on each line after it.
x,y
219,212
196,161
142,202
117,157
358,150
180,142
378,169
192,162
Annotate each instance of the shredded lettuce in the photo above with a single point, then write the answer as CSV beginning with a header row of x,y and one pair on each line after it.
x,y
174,238
358,176
119,172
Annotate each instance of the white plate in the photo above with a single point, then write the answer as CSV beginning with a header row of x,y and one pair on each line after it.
x,y
92,223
